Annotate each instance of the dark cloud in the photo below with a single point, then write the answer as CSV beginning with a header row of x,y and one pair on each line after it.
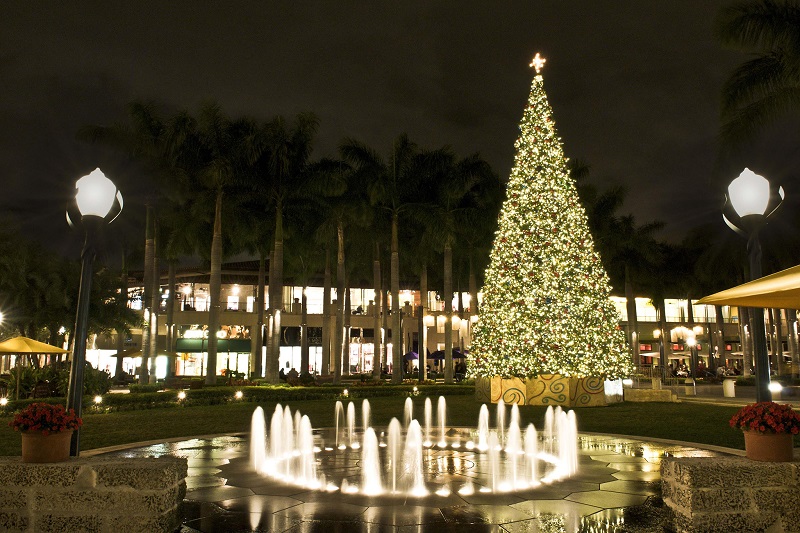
x,y
634,86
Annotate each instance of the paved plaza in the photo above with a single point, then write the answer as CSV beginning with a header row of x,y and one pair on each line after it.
x,y
615,473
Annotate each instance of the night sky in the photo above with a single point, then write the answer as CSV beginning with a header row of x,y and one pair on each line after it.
x,y
634,86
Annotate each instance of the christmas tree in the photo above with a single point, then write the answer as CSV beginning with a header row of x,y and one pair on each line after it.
x,y
546,306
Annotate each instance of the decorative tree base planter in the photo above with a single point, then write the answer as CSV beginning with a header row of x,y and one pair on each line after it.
x,y
546,389
51,448
772,447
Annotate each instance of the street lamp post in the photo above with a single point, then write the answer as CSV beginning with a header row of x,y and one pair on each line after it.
x,y
98,202
748,204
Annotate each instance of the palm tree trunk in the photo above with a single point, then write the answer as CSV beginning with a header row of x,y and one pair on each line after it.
x,y
722,353
304,363
214,290
633,322
376,313
666,344
277,306
448,313
423,337
270,321
746,340
155,305
473,289
340,301
346,330
149,252
123,296
385,318
773,351
397,333
779,339
791,336
326,315
171,299
257,339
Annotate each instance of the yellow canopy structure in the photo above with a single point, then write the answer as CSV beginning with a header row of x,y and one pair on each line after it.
x,y
26,345
780,290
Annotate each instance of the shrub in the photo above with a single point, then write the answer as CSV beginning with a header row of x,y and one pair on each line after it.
x,y
137,388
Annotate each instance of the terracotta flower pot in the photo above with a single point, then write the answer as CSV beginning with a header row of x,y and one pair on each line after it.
x,y
51,448
775,447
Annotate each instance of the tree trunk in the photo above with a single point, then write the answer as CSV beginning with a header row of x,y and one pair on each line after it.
x,y
791,336
633,323
746,340
385,319
423,338
340,301
257,336
773,351
346,330
170,333
214,291
277,304
155,305
304,362
722,353
326,315
778,340
666,344
149,254
473,289
448,313
123,297
397,333
376,313
270,321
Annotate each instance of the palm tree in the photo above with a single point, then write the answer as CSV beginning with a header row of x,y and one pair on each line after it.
x,y
391,186
766,87
458,206
280,153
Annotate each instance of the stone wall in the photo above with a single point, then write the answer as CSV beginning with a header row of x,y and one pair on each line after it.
x,y
92,494
649,395
725,494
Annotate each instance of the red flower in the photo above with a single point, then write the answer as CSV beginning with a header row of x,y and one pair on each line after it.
x,y
767,417
46,418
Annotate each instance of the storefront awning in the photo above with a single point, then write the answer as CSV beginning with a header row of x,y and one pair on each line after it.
x,y
223,345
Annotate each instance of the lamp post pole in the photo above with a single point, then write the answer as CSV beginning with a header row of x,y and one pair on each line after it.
x,y
95,200
749,202
75,392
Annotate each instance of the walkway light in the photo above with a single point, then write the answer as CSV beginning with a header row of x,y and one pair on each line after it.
x,y
749,202
3,401
98,202
181,395
98,400
239,394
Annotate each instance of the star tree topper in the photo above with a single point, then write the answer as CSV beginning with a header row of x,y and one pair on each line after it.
x,y
538,62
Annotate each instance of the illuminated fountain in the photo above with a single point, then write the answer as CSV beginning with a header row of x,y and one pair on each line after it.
x,y
414,459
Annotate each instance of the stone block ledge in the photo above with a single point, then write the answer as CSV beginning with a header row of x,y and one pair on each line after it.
x,y
114,495
724,494
649,395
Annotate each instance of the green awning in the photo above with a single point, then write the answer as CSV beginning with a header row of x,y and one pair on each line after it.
x,y
223,345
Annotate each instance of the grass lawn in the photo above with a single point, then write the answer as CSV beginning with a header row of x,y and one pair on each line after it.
x,y
707,424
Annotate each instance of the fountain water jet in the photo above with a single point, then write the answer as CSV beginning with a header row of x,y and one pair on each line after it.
x,y
398,462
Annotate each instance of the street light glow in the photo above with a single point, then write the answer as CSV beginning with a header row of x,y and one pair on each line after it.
x,y
96,194
749,193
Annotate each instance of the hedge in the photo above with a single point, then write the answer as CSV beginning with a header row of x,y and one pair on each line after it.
x,y
223,394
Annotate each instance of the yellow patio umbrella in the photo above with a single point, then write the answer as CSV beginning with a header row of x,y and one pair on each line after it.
x,y
24,345
780,290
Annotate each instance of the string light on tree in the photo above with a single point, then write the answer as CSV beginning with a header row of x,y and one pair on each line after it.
x,y
546,306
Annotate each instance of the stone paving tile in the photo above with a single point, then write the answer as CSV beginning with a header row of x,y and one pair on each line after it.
x,y
243,522
536,508
275,489
404,515
632,487
619,459
339,512
606,499
483,514
204,481
452,527
258,503
215,494
635,467
638,476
